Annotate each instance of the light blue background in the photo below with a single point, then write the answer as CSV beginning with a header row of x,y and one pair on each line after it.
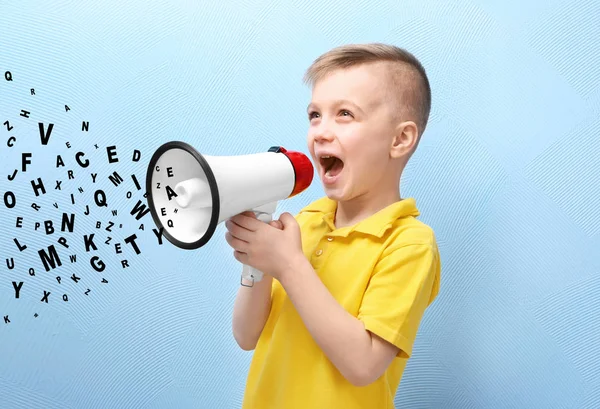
x,y
507,174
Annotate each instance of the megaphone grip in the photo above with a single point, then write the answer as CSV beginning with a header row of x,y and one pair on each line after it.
x,y
250,273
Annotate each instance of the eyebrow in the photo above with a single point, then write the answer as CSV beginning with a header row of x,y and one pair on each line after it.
x,y
339,102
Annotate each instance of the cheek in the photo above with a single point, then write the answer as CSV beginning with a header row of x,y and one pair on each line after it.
x,y
367,157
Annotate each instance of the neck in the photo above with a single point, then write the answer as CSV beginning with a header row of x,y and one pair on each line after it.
x,y
359,208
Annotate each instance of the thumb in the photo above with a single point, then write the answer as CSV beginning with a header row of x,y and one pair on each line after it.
x,y
277,224
287,220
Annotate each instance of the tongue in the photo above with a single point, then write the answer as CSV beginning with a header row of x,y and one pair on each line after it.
x,y
336,168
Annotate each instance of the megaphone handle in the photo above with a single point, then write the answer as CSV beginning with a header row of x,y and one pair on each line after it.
x,y
249,273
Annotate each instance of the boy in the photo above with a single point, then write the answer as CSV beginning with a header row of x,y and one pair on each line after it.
x,y
347,281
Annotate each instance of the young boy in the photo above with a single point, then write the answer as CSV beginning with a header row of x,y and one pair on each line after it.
x,y
347,281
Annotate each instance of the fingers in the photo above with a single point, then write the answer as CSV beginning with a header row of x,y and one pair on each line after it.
x,y
241,257
238,231
247,220
235,243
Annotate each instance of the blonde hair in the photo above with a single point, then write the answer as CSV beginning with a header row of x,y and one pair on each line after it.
x,y
410,85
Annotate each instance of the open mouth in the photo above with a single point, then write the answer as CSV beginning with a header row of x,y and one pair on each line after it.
x,y
331,165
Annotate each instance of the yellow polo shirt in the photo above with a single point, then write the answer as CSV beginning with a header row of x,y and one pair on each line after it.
x,y
385,270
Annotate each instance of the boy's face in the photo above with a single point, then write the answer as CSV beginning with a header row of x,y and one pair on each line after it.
x,y
351,121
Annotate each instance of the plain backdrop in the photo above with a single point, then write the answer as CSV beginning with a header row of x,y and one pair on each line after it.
x,y
507,174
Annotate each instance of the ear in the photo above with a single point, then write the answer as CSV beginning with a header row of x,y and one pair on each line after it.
x,y
405,139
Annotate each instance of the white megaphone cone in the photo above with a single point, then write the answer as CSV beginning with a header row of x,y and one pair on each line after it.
x,y
189,194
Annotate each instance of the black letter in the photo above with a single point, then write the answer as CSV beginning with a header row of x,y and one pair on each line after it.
x,y
140,209
89,242
158,234
100,267
68,222
17,288
13,200
137,184
170,192
53,255
115,178
82,164
131,239
38,186
103,196
49,227
43,135
25,161
21,248
111,151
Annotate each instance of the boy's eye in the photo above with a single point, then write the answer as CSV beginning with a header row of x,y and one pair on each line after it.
x,y
313,114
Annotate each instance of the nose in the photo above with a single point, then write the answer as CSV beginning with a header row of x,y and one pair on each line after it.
x,y
322,134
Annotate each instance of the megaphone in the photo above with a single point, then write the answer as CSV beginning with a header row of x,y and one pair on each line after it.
x,y
189,194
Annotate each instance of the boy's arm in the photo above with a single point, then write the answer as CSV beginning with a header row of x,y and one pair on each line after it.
x,y
252,307
250,312
362,348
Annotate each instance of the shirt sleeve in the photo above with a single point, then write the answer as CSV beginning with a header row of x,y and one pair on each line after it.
x,y
403,284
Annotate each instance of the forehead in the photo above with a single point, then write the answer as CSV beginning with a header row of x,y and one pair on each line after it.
x,y
364,84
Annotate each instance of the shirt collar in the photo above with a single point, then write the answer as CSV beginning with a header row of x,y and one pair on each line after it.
x,y
376,224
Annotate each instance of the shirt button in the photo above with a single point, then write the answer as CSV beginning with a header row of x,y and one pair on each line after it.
x,y
329,238
319,252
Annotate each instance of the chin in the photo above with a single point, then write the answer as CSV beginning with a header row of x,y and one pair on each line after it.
x,y
335,193
337,190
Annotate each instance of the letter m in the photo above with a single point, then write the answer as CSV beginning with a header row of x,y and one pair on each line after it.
x,y
51,260
115,178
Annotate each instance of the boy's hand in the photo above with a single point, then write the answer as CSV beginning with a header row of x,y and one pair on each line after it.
x,y
269,247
